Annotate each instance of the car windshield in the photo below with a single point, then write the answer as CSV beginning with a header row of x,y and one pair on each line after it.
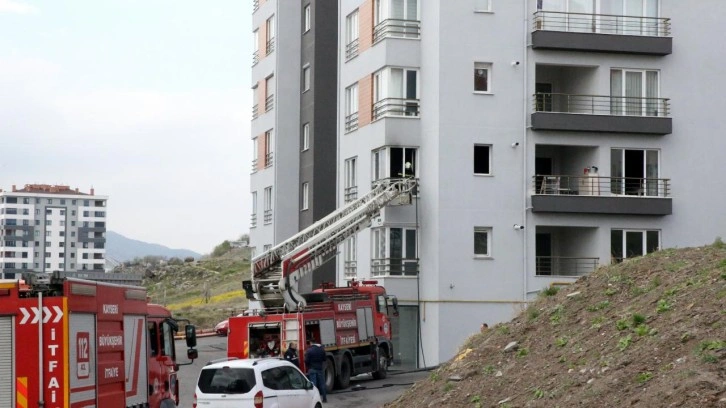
x,y
226,380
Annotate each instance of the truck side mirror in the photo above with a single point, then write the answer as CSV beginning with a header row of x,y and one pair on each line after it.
x,y
190,334
192,354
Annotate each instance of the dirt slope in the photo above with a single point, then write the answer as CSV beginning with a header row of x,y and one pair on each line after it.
x,y
650,332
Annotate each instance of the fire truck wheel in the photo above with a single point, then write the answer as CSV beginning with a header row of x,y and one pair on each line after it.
x,y
342,380
382,371
167,403
329,374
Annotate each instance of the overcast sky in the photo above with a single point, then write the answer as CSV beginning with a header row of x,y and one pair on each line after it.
x,y
148,101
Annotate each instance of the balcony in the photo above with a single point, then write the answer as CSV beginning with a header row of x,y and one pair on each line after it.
x,y
601,195
255,5
268,160
351,194
383,267
267,217
601,33
565,266
269,102
396,28
599,113
255,111
350,269
351,122
270,46
396,107
351,49
255,57
253,221
254,165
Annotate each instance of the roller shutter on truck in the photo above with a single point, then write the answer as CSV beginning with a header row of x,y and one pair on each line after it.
x,y
7,362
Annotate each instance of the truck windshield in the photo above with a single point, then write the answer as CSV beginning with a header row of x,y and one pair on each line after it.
x,y
167,339
226,380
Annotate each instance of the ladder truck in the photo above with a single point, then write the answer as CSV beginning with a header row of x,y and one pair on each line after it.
x,y
351,323
91,342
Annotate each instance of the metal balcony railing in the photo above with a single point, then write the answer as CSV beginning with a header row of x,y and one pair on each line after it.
x,y
351,122
267,216
254,165
394,267
268,160
350,269
351,49
602,186
255,5
270,46
565,266
269,102
395,107
396,28
601,105
351,193
255,57
253,221
255,111
601,24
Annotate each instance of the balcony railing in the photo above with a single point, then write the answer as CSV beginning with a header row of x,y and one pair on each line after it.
x,y
351,49
601,105
253,221
394,267
602,186
395,107
269,102
254,165
267,216
351,194
351,122
255,111
396,28
268,160
565,266
602,24
255,57
270,46
255,5
350,269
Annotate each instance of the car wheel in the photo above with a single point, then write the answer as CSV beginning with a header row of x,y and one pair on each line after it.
x,y
342,380
318,405
329,371
382,371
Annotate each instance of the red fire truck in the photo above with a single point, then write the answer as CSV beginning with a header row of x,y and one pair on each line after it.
x,y
350,322
68,342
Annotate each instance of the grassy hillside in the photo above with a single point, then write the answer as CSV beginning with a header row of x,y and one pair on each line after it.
x,y
181,287
649,332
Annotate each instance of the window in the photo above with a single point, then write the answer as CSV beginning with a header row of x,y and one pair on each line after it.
x,y
306,136
307,15
270,34
636,172
73,213
305,196
395,92
26,200
393,251
482,77
351,108
351,35
483,5
253,217
47,254
482,241
48,222
283,378
395,9
268,148
635,93
47,233
268,205
631,243
227,380
482,159
350,257
351,179
394,162
269,93
50,201
306,77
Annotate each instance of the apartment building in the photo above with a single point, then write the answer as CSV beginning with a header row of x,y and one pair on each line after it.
x,y
48,228
549,137
293,121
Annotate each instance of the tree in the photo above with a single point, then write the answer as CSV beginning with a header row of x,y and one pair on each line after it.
x,y
221,249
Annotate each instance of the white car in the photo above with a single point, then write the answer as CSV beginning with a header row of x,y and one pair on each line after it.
x,y
255,383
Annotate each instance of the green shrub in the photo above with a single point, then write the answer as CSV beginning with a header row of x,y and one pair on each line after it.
x,y
523,352
624,342
663,306
638,319
561,341
622,324
550,291
644,377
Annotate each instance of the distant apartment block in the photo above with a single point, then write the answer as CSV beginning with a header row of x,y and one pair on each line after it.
x,y
46,228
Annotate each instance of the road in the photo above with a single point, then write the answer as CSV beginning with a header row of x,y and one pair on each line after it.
x,y
374,394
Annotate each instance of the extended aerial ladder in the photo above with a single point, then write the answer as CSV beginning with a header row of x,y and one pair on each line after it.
x,y
276,272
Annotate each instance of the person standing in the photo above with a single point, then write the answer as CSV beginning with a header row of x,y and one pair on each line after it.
x,y
315,364
291,354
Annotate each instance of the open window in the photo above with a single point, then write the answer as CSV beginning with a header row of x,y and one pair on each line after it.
x,y
635,172
394,162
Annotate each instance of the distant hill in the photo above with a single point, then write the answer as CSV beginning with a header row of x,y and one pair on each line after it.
x,y
121,248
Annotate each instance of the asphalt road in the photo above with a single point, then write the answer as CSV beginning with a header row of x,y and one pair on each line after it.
x,y
374,393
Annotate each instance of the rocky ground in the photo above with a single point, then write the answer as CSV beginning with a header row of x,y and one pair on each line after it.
x,y
649,332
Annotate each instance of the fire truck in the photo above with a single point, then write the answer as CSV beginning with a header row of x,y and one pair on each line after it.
x,y
351,323
70,342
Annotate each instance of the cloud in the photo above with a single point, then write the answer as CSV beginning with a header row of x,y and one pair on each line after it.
x,y
16,7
